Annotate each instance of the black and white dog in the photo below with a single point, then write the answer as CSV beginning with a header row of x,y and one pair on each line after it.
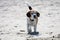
x,y
32,20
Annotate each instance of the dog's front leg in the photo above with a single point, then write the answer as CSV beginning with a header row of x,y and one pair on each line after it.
x,y
28,28
35,27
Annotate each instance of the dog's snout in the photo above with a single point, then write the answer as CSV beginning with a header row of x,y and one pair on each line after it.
x,y
32,20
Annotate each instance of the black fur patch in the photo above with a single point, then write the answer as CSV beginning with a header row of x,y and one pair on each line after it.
x,y
38,14
30,8
28,14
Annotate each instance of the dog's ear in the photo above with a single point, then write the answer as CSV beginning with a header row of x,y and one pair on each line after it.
x,y
28,14
38,14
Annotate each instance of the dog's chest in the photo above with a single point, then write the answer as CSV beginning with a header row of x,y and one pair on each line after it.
x,y
31,22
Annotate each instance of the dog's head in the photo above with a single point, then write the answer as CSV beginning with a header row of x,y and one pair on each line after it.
x,y
33,15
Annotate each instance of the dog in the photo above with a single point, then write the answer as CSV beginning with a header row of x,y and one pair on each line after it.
x,y
32,19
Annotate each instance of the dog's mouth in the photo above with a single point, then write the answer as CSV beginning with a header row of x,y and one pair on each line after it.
x,y
32,20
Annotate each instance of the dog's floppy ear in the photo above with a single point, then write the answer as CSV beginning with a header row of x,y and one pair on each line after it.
x,y
28,14
38,14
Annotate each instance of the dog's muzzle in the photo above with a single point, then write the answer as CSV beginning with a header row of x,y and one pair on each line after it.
x,y
33,17
32,20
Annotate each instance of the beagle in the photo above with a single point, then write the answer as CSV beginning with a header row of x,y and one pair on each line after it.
x,y
32,19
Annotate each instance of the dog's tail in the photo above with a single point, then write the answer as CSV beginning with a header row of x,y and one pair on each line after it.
x,y
30,8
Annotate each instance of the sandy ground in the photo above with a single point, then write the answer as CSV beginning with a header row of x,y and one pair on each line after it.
x,y
13,18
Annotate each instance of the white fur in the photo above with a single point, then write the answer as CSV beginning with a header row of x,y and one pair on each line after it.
x,y
31,23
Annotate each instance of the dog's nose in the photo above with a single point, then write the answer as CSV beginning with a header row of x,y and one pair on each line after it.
x,y
32,20
34,16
